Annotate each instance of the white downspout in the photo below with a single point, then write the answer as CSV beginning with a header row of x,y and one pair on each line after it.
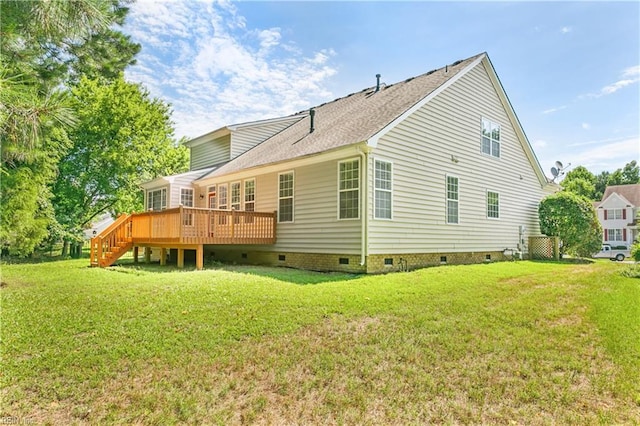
x,y
364,216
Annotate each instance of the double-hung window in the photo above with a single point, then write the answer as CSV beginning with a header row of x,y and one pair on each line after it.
x,y
157,199
349,189
615,235
452,199
250,195
490,138
212,197
285,197
186,199
222,197
235,196
614,214
383,189
493,205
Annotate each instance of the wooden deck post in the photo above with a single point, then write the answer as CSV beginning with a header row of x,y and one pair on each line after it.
x,y
147,255
163,256
180,258
136,250
200,257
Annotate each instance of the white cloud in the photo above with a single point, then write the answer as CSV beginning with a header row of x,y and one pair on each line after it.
x,y
586,126
565,30
539,144
608,154
204,60
552,110
629,76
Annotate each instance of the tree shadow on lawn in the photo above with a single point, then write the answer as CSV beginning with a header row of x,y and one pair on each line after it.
x,y
290,275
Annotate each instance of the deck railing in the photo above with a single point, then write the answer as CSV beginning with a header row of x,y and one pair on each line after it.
x,y
188,225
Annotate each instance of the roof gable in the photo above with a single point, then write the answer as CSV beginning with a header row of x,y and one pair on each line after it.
x,y
630,194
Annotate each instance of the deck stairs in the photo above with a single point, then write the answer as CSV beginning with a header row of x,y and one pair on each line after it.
x,y
112,243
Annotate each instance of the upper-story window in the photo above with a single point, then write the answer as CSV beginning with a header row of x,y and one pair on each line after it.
x,y
383,189
614,214
452,199
235,196
157,199
285,197
250,195
349,189
490,138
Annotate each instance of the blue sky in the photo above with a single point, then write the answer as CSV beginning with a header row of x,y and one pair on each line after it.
x,y
570,69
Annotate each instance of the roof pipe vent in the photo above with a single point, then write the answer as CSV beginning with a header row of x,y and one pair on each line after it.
x,y
312,113
378,82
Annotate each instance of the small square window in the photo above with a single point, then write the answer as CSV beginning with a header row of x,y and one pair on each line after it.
x,y
343,261
244,255
282,257
487,257
388,261
443,259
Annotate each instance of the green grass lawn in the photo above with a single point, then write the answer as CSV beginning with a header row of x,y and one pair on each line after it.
x,y
523,342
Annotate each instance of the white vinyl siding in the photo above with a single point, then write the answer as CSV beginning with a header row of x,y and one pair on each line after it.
x,y
317,228
382,189
245,138
210,153
453,199
285,197
493,205
423,148
349,189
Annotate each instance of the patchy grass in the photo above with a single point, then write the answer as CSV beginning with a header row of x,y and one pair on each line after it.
x,y
499,343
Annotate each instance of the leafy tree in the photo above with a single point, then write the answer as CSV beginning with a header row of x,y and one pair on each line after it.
x,y
601,185
631,173
580,181
573,219
123,138
43,46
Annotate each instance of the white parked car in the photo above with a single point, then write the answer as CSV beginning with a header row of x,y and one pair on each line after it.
x,y
608,252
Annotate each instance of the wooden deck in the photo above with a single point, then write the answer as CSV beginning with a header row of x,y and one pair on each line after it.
x,y
181,228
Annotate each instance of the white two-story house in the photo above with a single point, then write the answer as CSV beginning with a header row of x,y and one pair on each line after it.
x,y
618,214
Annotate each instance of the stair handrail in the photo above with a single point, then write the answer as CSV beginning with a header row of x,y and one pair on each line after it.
x,y
97,243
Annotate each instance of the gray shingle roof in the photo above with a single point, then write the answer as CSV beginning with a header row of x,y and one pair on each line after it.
x,y
345,121
630,192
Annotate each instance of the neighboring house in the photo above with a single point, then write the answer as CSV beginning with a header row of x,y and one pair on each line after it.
x,y
618,214
431,170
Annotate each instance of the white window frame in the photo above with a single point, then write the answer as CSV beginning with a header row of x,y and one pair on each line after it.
x,y
611,214
615,232
235,203
492,126
292,196
226,196
447,199
252,201
163,198
183,192
340,191
377,190
488,206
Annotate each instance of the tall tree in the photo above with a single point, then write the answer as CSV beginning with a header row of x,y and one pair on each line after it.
x,y
123,138
44,45
580,181
573,219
